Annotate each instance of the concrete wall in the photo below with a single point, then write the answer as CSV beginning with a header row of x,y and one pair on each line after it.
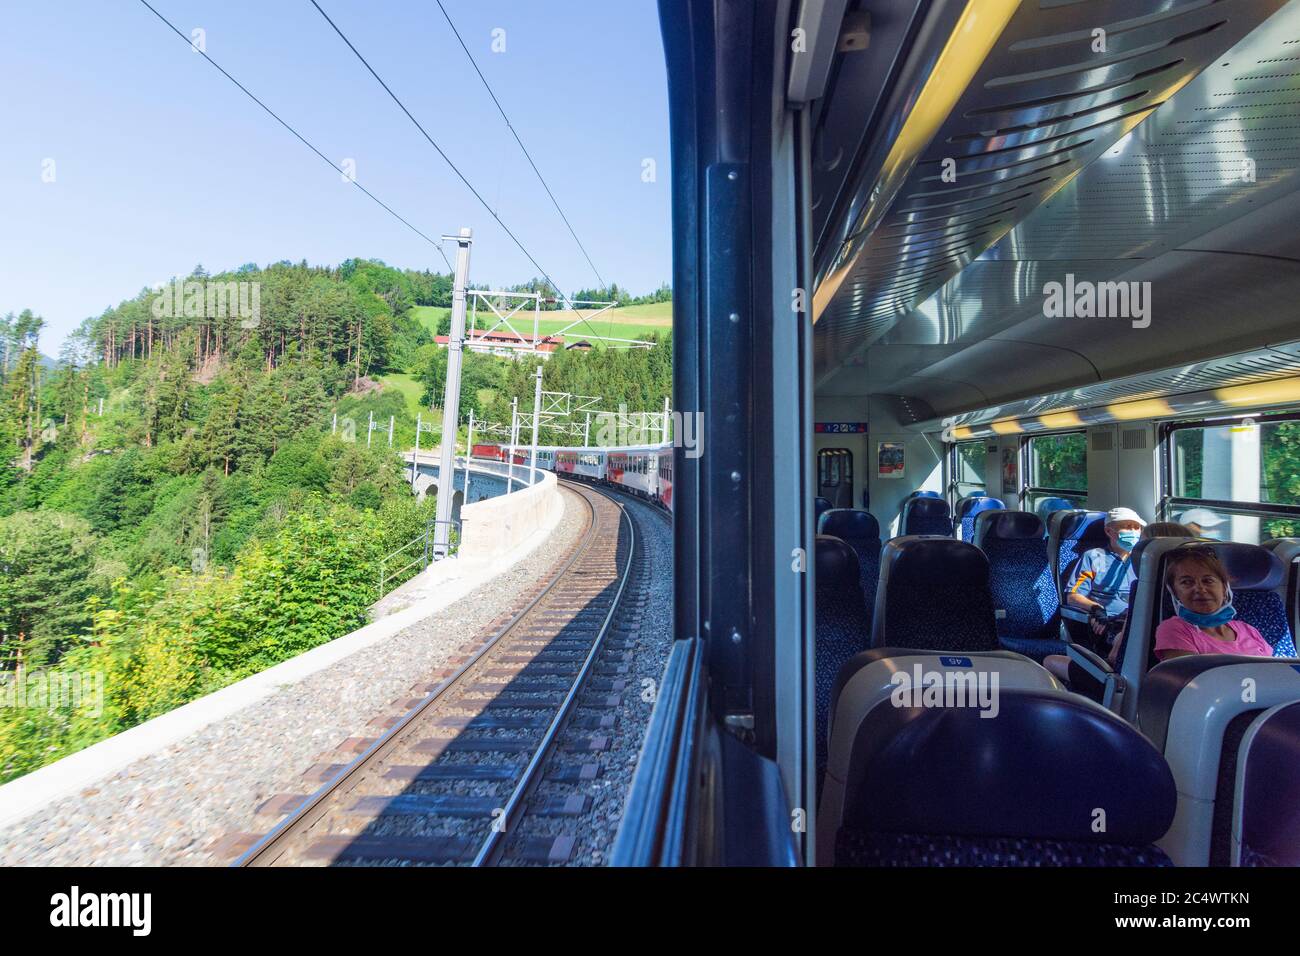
x,y
923,467
496,525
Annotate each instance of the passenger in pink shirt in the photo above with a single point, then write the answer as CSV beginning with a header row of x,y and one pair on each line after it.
x,y
1202,596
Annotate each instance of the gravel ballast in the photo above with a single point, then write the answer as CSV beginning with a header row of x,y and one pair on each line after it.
x,y
169,808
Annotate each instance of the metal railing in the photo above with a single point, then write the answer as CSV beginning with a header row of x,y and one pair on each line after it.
x,y
410,559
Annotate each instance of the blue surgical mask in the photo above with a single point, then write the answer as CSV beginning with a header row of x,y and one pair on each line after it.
x,y
1128,539
1222,616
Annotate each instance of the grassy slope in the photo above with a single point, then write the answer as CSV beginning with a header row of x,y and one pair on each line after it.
x,y
409,387
629,322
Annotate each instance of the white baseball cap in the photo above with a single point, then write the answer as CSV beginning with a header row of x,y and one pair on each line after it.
x,y
1202,517
1115,515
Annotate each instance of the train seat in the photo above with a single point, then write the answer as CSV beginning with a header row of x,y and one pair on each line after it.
x,y
1070,534
842,625
967,511
925,515
1053,780
1266,816
862,532
1288,552
1025,601
1049,506
1077,533
934,595
820,507
1196,711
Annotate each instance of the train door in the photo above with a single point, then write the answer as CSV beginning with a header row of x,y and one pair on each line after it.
x,y
835,476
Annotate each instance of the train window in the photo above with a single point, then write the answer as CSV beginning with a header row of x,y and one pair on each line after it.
x,y
1058,468
967,468
1234,481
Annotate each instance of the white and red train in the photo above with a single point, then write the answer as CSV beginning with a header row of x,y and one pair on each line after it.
x,y
644,470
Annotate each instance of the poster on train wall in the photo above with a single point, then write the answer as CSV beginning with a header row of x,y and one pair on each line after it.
x,y
891,459
1010,469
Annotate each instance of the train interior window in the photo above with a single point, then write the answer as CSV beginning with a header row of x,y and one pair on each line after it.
x,y
1236,480
967,468
835,476
1058,468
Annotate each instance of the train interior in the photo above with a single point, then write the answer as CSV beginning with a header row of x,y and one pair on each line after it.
x,y
1044,265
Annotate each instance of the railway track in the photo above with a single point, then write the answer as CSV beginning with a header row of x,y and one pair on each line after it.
x,y
453,779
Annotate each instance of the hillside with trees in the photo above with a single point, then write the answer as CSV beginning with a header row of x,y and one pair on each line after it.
x,y
190,495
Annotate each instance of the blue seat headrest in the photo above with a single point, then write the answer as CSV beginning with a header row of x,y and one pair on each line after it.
x,y
1250,567
1008,526
821,505
849,524
1048,505
974,504
924,494
1040,769
1082,525
927,507
927,562
837,563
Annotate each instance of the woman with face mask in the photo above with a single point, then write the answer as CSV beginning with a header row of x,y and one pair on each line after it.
x,y
1198,583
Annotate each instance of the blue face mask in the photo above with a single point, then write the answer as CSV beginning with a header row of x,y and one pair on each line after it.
x,y
1222,616
1128,539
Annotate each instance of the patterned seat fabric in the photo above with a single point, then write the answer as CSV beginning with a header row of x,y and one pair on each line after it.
x,y
968,509
940,618
1080,532
842,627
859,848
861,531
1023,589
1265,611
935,785
935,594
926,515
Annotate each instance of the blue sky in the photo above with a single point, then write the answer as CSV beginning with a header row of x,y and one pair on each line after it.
x,y
161,163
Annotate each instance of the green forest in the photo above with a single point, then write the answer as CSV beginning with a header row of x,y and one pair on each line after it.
x,y
190,494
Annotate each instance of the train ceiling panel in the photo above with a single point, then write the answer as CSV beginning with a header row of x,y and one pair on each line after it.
x,y
1046,102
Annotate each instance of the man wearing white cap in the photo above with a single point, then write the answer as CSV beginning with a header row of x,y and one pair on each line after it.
x,y
1104,576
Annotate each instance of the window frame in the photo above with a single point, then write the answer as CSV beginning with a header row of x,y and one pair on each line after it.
x,y
1169,503
1027,466
952,461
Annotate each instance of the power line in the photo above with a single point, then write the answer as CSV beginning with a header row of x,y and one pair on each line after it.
x,y
302,139
447,159
522,147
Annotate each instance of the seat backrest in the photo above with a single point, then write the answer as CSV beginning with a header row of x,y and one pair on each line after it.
x,y
843,627
1025,601
1255,574
1049,506
820,507
917,783
934,595
1266,826
968,509
1075,533
862,532
1196,711
1288,552
925,515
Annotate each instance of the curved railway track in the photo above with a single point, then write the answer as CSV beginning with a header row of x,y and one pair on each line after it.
x,y
452,779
